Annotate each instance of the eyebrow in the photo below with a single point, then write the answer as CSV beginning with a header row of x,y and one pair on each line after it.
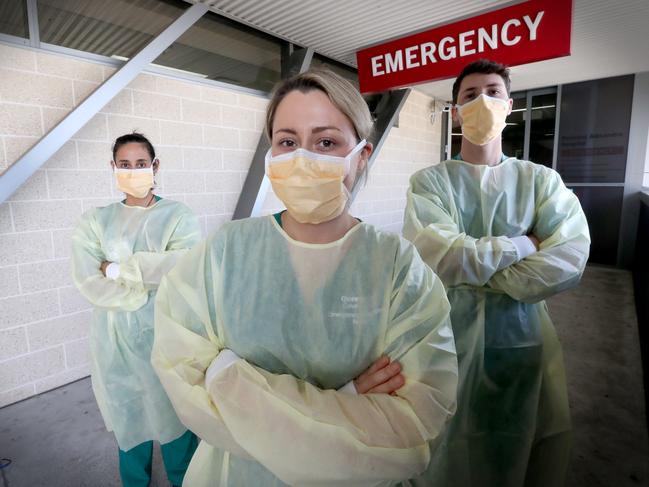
x,y
327,127
290,131
315,129
490,85
128,160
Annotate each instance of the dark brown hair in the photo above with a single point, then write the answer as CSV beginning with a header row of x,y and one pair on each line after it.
x,y
133,137
483,66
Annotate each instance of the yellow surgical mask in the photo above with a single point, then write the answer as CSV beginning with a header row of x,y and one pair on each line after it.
x,y
136,182
311,185
483,118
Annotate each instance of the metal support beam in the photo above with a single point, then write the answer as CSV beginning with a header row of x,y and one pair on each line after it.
x,y
527,116
32,23
255,188
22,169
557,125
299,61
387,114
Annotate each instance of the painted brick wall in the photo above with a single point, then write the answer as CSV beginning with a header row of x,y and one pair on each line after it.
x,y
205,138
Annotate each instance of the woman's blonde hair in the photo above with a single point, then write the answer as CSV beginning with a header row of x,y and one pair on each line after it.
x,y
341,92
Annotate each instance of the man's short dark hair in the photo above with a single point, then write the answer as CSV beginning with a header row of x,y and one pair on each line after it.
x,y
483,66
134,137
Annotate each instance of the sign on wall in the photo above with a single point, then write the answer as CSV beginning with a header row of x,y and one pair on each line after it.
x,y
524,33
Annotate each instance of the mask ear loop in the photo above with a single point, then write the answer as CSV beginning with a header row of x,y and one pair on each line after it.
x,y
155,181
267,158
348,197
348,158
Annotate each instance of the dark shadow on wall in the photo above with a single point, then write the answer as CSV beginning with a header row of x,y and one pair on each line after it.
x,y
641,289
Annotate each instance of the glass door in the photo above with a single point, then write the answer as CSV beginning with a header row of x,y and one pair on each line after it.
x,y
514,133
542,114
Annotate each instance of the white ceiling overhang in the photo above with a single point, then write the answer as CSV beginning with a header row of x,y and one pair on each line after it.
x,y
608,38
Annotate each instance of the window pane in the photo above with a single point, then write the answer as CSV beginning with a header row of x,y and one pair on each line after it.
x,y
13,18
514,133
118,28
543,116
219,49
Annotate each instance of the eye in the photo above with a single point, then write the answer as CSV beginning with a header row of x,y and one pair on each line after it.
x,y
123,165
141,165
326,144
494,91
286,143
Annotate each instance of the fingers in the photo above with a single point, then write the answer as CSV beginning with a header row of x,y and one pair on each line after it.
x,y
390,386
378,365
361,382
367,382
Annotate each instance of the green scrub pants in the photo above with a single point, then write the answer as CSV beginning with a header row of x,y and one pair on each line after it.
x,y
135,464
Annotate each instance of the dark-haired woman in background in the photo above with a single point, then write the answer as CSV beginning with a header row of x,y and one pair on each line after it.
x,y
119,254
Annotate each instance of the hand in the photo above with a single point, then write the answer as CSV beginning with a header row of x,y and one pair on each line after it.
x,y
103,266
535,241
382,377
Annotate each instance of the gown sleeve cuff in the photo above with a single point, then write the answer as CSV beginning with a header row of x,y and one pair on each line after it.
x,y
524,246
349,388
112,270
222,361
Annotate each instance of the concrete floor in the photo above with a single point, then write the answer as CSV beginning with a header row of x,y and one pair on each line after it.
x,y
58,438
598,329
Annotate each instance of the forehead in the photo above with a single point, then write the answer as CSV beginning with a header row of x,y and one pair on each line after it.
x,y
481,80
311,109
133,150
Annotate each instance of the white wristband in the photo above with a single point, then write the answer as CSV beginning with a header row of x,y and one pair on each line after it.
x,y
349,388
524,246
112,270
222,361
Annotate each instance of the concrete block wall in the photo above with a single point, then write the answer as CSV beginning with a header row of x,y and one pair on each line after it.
x,y
205,138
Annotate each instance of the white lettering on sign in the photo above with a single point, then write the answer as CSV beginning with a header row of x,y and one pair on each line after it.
x,y
504,33
467,43
428,53
532,26
376,66
394,62
464,43
483,36
446,53
411,56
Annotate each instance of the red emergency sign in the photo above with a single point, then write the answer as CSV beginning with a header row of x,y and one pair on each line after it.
x,y
524,33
